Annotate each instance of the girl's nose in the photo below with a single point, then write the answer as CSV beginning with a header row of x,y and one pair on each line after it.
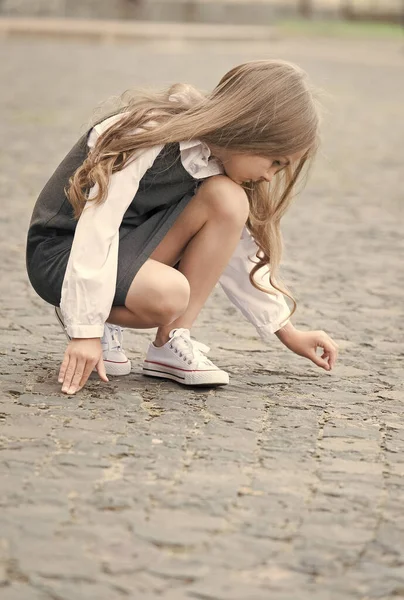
x,y
272,172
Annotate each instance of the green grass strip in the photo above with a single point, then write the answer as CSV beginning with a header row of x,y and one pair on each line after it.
x,y
337,28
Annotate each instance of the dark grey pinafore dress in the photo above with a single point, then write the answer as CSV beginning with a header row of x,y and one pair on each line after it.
x,y
164,191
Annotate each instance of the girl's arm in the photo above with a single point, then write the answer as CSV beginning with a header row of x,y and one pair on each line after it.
x,y
89,284
306,343
269,312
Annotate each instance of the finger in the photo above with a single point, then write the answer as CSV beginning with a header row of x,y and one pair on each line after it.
x,y
324,338
333,358
319,361
63,367
101,370
327,357
78,373
334,345
332,354
86,374
327,340
330,349
71,367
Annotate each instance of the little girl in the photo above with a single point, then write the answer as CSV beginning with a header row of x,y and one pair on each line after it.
x,y
158,202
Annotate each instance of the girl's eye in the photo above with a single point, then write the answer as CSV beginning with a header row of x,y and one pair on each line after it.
x,y
276,163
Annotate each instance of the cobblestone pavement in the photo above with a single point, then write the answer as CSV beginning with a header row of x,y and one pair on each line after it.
x,y
289,483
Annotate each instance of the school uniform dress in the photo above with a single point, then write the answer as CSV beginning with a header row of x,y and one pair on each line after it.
x,y
85,266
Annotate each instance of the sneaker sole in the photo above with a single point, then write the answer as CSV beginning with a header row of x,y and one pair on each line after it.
x,y
111,368
194,378
117,369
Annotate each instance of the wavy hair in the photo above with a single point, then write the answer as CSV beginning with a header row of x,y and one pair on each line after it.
x,y
264,107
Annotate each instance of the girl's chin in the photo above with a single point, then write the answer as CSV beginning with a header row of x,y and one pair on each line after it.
x,y
236,180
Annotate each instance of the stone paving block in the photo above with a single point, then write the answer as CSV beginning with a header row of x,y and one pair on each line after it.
x,y
146,585
344,430
287,481
68,562
353,468
43,402
237,550
347,503
84,590
383,582
334,533
171,537
21,591
350,448
179,568
4,571
221,588
33,430
37,524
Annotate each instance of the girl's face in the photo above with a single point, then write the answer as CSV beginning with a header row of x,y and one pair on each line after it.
x,y
247,168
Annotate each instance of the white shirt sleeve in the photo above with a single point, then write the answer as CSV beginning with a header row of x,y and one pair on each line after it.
x,y
89,284
267,312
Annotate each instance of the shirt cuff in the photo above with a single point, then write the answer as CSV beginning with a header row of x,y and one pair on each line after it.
x,y
266,331
85,331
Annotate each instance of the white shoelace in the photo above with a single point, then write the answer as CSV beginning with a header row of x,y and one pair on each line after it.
x,y
116,337
187,349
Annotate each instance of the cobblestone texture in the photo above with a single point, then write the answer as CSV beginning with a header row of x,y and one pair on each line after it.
x,y
287,484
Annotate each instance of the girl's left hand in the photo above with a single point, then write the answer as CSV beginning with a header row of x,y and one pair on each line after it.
x,y
305,343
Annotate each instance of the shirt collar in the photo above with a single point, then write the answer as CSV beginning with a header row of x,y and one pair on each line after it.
x,y
197,160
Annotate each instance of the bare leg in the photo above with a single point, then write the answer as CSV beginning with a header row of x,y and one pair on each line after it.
x,y
203,239
158,295
209,251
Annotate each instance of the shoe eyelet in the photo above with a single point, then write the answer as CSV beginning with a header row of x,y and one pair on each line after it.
x,y
189,362
175,350
171,345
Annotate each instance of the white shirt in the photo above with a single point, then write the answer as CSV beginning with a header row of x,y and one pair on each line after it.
x,y
89,284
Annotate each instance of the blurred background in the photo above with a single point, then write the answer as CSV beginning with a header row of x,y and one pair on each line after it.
x,y
210,11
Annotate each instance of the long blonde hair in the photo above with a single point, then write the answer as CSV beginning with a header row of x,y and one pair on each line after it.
x,y
263,107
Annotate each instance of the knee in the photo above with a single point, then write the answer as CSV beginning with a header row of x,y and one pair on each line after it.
x,y
170,299
225,200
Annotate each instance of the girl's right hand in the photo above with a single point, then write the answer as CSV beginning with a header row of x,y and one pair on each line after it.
x,y
81,356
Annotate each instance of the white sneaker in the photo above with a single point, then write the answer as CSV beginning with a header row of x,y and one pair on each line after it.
x,y
184,361
115,360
